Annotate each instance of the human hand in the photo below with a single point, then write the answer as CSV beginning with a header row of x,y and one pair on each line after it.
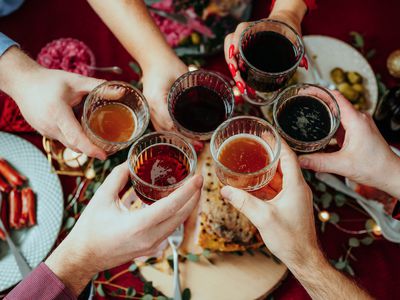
x,y
157,81
286,223
107,234
364,156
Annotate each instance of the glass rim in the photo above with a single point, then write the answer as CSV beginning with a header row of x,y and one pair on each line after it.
x,y
145,105
298,38
214,152
193,166
304,143
183,77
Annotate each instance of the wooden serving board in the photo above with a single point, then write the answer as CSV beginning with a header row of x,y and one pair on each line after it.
x,y
223,276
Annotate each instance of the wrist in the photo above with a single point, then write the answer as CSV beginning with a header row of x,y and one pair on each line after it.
x,y
168,63
70,266
307,261
391,185
289,9
23,69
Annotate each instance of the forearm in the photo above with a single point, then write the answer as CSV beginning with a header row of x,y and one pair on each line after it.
x,y
391,180
15,69
294,9
70,266
322,281
135,29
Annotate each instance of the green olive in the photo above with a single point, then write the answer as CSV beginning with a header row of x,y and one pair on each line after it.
x,y
348,91
358,87
338,75
354,77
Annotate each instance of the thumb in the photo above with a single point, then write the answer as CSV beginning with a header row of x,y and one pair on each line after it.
x,y
116,180
323,162
85,84
245,203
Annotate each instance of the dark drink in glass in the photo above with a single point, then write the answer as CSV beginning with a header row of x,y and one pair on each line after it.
x,y
269,54
306,116
160,163
199,102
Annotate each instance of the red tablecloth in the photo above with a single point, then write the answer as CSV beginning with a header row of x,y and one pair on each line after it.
x,y
40,21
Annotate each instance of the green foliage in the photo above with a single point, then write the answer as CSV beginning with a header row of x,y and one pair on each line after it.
x,y
186,294
354,242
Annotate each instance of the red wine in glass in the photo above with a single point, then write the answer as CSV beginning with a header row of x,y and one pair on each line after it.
x,y
162,167
199,109
269,52
305,118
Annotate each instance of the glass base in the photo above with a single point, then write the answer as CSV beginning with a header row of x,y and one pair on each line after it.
x,y
261,98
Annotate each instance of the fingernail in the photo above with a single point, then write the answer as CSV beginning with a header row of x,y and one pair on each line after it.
x,y
304,62
199,181
232,69
304,162
226,191
250,91
240,86
231,51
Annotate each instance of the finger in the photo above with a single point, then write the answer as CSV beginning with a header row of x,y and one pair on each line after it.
x,y
290,168
166,227
83,83
160,117
324,162
116,180
168,206
74,135
244,202
347,111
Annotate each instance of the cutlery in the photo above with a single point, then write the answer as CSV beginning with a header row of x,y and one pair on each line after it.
x,y
23,266
114,69
317,74
390,227
175,241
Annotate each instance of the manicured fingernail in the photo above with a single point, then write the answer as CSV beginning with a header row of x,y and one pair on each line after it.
x,y
231,51
250,91
232,69
304,63
240,86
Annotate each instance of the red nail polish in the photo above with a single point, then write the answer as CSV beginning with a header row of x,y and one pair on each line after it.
x,y
304,63
231,51
232,69
250,91
240,86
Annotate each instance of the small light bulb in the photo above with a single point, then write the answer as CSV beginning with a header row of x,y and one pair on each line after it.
x,y
74,159
324,216
376,229
236,91
192,68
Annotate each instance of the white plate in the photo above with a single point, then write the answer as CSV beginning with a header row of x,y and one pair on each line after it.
x,y
329,53
36,242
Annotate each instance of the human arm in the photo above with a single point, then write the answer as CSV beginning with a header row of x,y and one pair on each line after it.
x,y
135,29
364,156
46,98
286,224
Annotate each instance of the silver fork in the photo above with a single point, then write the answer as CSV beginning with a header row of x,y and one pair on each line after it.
x,y
23,266
317,74
175,241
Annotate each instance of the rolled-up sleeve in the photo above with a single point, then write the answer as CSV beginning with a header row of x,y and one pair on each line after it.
x,y
5,43
42,283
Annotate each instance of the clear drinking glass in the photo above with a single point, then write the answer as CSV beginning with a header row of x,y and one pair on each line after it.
x,y
201,78
146,149
321,94
254,127
116,92
266,85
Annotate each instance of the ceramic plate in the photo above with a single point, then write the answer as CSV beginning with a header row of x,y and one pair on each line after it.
x,y
34,243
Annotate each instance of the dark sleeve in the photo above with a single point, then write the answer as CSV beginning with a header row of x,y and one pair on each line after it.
x,y
41,283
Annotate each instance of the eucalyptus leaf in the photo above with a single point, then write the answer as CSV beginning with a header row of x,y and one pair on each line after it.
x,y
369,224
358,39
370,54
119,291
206,253
100,290
340,265
96,185
349,270
151,2
192,257
321,187
107,164
148,287
326,200
78,180
95,276
69,223
147,297
131,292
323,224
334,218
162,298
133,267
368,240
186,294
354,242
135,67
340,200
107,274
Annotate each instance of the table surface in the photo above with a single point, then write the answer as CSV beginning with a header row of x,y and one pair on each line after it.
x,y
40,21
